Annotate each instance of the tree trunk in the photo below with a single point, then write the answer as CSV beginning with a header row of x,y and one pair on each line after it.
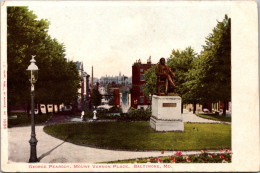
x,y
182,108
46,107
53,108
194,107
39,109
224,108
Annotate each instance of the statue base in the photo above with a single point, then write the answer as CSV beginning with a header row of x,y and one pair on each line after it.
x,y
166,113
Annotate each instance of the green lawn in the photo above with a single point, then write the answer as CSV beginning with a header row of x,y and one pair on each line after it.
x,y
23,119
215,117
139,136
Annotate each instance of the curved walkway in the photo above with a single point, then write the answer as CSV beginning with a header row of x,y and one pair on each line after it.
x,y
190,117
53,150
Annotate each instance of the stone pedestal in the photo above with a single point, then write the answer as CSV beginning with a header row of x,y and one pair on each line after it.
x,y
166,113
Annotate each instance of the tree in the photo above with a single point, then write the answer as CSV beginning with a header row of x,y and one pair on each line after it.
x,y
96,97
195,89
24,33
27,36
181,61
216,63
209,79
150,82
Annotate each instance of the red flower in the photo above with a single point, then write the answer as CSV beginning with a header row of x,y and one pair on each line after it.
x,y
210,155
172,157
188,160
173,161
203,151
178,154
227,150
158,159
222,156
220,150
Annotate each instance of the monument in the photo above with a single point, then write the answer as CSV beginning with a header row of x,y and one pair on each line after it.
x,y
166,107
95,116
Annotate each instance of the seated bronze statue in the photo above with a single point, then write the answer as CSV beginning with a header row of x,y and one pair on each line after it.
x,y
165,76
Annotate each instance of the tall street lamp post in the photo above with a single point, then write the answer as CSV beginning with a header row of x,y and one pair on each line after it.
x,y
33,75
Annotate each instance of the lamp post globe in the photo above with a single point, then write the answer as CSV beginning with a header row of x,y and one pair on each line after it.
x,y
33,76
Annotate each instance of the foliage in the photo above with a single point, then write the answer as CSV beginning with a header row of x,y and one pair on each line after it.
x,y
89,114
28,36
217,56
111,101
115,110
139,136
210,78
207,77
194,84
181,61
23,119
132,115
150,82
96,97
136,115
201,78
24,33
204,157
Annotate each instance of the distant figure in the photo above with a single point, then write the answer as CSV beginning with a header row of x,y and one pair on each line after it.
x,y
83,117
94,117
164,76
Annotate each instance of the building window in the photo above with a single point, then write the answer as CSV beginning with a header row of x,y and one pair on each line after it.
x,y
50,106
141,88
142,77
141,70
142,100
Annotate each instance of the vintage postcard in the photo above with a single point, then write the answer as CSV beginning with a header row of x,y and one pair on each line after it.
x,y
129,86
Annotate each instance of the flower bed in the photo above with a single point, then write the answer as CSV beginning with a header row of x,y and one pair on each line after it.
x,y
223,156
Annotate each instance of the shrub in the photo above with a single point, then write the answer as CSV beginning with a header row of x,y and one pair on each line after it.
x,y
131,115
115,110
136,115
23,119
89,114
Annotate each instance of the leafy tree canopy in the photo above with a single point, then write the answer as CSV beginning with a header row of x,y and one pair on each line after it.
x,y
58,80
150,82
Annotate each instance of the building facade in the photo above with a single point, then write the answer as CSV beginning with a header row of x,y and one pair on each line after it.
x,y
138,100
80,100
84,90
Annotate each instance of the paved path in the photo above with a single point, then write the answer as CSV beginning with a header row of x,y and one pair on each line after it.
x,y
190,117
53,150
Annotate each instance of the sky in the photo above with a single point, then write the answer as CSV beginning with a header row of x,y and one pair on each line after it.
x,y
111,36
